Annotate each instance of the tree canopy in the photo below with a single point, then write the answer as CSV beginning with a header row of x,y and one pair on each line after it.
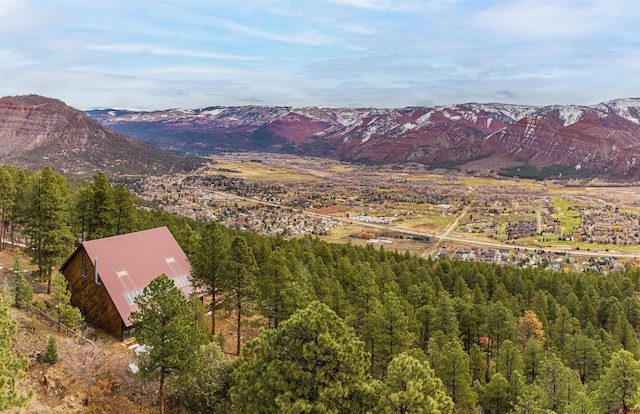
x,y
313,363
165,324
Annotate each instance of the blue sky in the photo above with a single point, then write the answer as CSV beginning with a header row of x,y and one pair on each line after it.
x,y
339,53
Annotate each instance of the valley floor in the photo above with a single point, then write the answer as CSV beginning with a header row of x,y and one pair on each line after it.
x,y
585,224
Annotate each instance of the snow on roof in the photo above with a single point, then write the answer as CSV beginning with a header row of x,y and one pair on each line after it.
x,y
129,262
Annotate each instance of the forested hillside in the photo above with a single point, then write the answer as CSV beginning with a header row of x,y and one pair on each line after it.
x,y
353,329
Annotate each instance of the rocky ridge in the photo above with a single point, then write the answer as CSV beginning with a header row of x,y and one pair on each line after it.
x,y
37,131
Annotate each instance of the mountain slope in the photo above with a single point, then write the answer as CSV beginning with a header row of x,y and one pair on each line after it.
x,y
37,131
600,139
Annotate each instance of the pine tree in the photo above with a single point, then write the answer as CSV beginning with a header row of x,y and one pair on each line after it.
x,y
200,315
124,211
361,297
101,218
61,303
51,353
625,334
455,375
280,296
207,388
313,363
386,331
165,324
582,354
19,211
240,282
509,359
80,212
495,396
532,357
412,387
424,315
207,264
501,325
477,364
517,388
467,321
586,312
531,401
11,368
371,335
7,197
445,318
559,383
47,228
23,292
563,327
619,387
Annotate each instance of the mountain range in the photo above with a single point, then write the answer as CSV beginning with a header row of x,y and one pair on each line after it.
x,y
36,131
598,140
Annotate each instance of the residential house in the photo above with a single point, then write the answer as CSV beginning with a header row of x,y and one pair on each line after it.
x,y
106,275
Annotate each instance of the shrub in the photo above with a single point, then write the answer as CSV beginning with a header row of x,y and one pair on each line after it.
x,y
207,390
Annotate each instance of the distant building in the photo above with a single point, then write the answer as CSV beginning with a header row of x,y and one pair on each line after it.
x,y
106,275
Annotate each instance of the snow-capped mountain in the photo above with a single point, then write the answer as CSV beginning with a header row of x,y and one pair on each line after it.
x,y
603,138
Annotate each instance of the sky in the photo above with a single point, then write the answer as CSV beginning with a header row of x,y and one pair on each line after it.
x,y
160,54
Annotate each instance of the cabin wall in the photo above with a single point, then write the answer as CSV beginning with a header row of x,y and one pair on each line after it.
x,y
93,300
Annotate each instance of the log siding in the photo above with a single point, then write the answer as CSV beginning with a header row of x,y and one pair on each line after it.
x,y
93,300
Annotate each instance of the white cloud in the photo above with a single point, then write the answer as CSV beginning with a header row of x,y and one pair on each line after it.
x,y
219,72
543,19
387,5
309,37
10,57
326,52
156,50
359,29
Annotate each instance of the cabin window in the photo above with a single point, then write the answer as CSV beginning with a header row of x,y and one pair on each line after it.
x,y
83,267
96,276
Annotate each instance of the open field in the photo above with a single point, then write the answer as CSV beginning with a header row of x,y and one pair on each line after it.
x,y
258,171
568,219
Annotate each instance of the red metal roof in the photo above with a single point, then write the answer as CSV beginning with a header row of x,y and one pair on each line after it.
x,y
129,262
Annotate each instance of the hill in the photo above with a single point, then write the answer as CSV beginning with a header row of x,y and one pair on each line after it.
x,y
602,139
37,131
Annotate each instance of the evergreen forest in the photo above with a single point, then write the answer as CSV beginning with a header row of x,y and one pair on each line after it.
x,y
345,329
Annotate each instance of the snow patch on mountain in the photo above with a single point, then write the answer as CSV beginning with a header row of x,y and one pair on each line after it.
x,y
471,116
507,113
421,122
450,116
213,112
350,118
570,114
627,108
368,134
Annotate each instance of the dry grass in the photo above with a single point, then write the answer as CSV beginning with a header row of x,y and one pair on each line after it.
x,y
258,171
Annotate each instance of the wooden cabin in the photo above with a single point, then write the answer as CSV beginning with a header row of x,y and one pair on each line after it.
x,y
106,275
